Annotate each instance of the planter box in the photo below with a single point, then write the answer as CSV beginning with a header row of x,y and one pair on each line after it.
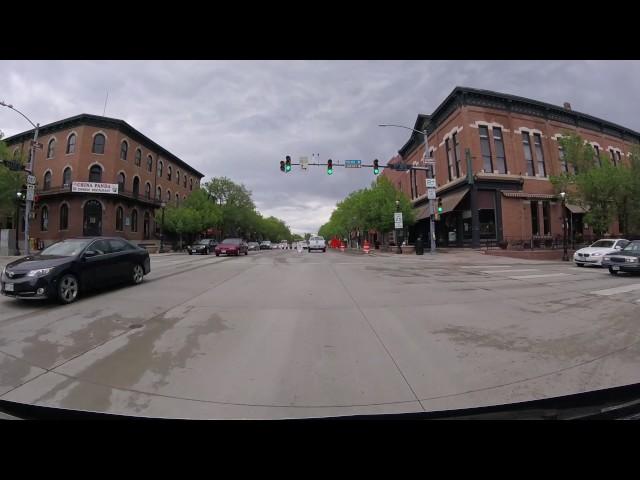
x,y
408,249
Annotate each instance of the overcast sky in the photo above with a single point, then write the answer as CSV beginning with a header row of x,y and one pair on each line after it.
x,y
240,118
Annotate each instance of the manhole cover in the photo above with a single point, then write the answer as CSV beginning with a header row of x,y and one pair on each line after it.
x,y
135,325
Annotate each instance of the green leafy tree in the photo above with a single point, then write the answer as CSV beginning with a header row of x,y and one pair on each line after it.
x,y
10,181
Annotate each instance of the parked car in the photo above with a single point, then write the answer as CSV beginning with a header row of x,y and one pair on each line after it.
x,y
593,254
67,268
203,247
317,243
265,245
625,260
253,246
232,246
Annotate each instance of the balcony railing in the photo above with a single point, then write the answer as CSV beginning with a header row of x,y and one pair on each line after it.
x,y
122,193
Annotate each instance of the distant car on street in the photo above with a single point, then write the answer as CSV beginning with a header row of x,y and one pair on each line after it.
x,y
253,246
67,268
317,243
265,245
203,247
594,253
232,246
625,260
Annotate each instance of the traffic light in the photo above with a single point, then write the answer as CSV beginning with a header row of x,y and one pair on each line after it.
x,y
439,205
329,167
376,168
282,165
287,165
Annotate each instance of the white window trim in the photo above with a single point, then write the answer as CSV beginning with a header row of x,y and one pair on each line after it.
x,y
124,140
530,131
66,142
48,170
55,143
96,163
480,123
450,134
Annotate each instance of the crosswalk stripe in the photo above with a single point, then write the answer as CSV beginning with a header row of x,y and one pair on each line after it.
x,y
508,270
541,275
613,291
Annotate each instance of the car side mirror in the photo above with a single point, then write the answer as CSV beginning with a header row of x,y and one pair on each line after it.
x,y
90,253
618,247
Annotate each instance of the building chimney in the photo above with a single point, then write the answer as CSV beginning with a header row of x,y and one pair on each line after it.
x,y
567,106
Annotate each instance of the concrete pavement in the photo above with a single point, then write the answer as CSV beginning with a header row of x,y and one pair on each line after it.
x,y
282,334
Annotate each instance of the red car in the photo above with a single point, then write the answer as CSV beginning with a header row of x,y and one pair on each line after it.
x,y
232,246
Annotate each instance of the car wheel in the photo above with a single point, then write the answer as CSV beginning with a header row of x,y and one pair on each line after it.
x,y
137,274
189,252
580,264
217,254
68,288
612,272
246,253
324,250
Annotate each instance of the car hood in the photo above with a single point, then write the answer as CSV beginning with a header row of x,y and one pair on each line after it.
x,y
620,253
34,262
197,246
227,246
592,250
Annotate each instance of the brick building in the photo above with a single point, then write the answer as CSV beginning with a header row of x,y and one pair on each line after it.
x,y
501,190
90,148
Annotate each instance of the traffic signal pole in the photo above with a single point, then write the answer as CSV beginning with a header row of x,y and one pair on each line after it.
x,y
27,205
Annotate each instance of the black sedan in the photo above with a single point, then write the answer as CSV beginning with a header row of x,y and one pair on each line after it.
x,y
75,265
625,260
203,247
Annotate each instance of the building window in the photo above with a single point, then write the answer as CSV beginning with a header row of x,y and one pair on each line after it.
x,y
44,219
150,163
178,177
147,191
619,159
64,217
51,148
71,143
158,193
136,186
177,199
168,196
501,158
147,230
134,220
169,172
16,155
485,149
95,173
598,161
160,165
184,181
47,181
450,162
119,219
563,160
191,184
98,144
535,227
528,154
138,158
456,152
121,179
537,140
124,148
66,177
546,217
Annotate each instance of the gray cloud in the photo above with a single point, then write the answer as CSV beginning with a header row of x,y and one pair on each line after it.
x,y
239,118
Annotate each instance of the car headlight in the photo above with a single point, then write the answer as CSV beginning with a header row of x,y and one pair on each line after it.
x,y
606,258
41,272
632,260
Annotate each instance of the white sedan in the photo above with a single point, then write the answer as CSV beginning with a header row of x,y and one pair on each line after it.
x,y
592,255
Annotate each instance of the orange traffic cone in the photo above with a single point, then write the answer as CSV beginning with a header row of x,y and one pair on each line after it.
x,y
366,247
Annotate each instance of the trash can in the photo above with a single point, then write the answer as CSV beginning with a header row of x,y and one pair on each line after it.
x,y
419,246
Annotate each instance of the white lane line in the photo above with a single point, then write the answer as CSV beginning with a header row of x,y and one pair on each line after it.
x,y
622,289
487,266
510,270
542,275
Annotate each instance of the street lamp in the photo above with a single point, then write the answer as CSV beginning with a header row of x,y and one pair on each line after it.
x,y
397,229
29,169
432,225
162,205
565,256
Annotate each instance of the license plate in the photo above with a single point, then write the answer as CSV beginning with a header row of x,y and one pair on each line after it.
x,y
615,268
223,251
8,287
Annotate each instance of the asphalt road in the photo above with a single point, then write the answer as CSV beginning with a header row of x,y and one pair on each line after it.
x,y
279,334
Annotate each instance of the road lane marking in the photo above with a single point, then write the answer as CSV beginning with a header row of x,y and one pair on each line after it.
x,y
510,270
541,275
613,291
487,266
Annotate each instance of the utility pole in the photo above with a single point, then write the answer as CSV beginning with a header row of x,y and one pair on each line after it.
x,y
432,203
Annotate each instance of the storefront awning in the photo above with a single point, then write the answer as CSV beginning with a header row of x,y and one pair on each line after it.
x,y
451,200
421,212
529,196
575,208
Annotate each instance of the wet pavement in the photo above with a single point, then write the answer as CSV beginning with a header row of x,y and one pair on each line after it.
x,y
282,334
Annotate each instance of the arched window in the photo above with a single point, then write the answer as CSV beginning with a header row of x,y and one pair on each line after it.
x,y
124,148
66,177
95,173
98,144
44,219
64,217
134,220
47,181
51,148
177,199
159,193
178,177
150,163
147,230
119,219
160,165
136,186
168,196
191,184
185,181
71,143
138,157
147,191
121,180
169,172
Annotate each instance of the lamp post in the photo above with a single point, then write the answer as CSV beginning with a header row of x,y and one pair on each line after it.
x,y
397,229
29,169
432,226
162,205
565,256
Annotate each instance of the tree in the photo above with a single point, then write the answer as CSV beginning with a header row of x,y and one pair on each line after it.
x,y
182,220
10,181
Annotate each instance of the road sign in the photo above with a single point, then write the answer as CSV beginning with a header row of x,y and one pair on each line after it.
x,y
430,162
353,163
304,162
31,179
38,145
397,218
431,193
31,190
431,183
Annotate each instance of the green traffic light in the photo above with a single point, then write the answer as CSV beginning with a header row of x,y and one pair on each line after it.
x,y
287,168
439,209
329,171
376,171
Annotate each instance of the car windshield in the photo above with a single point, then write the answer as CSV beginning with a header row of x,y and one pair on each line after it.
x,y
204,242
232,241
632,247
603,244
66,248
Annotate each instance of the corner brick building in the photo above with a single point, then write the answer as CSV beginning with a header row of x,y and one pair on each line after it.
x,y
90,148
502,192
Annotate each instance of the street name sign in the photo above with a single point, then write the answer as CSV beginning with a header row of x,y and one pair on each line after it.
x,y
353,163
94,187
397,218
